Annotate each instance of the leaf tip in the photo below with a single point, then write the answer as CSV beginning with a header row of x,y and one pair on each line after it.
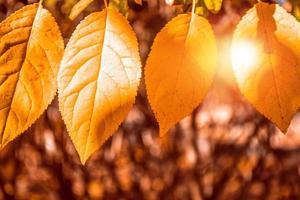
x,y
83,159
283,127
163,130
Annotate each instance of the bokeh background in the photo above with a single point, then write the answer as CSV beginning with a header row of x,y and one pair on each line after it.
x,y
223,150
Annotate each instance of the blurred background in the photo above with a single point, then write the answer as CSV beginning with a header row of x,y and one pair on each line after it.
x,y
223,150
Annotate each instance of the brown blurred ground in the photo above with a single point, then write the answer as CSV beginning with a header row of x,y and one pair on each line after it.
x,y
224,150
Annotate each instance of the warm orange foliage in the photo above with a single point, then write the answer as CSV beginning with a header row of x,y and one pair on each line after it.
x,y
180,68
31,48
79,7
98,79
271,82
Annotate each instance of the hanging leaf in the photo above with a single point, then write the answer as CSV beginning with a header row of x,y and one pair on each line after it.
x,y
180,68
213,5
266,58
31,48
79,7
98,79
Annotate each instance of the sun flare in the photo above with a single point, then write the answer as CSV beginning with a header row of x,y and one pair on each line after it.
x,y
244,56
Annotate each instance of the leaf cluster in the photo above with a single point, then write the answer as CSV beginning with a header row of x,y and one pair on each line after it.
x,y
98,73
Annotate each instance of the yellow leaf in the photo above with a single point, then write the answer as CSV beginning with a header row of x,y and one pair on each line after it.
x,y
266,58
98,79
31,48
180,68
79,7
213,5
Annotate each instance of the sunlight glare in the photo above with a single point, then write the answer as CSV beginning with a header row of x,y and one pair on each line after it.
x,y
244,56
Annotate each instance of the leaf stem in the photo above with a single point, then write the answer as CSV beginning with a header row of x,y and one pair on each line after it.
x,y
194,5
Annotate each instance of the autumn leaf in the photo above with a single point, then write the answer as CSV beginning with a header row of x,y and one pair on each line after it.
x,y
180,68
79,7
119,5
266,58
213,5
98,79
31,48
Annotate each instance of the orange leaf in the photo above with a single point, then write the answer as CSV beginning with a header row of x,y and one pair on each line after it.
x,y
31,48
98,79
266,58
180,68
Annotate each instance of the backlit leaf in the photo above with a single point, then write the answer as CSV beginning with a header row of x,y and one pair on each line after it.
x,y
31,48
98,79
270,80
180,68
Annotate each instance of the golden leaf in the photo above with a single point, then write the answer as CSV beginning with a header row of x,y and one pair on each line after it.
x,y
79,7
213,5
265,56
31,48
98,79
180,68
